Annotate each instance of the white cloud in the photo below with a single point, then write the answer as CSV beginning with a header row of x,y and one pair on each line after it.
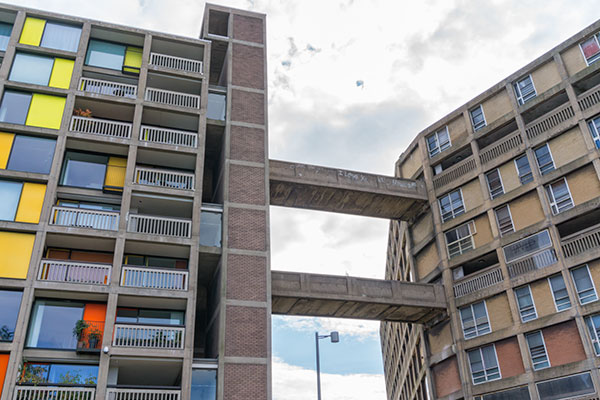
x,y
361,330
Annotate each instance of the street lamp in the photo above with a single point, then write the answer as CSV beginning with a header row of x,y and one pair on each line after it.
x,y
335,338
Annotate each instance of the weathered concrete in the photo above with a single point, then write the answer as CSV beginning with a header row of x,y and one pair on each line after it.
x,y
349,192
316,295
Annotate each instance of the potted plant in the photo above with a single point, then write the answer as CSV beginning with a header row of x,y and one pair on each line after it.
x,y
94,337
80,326
87,113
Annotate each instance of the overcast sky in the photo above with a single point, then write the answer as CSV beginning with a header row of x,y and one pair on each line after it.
x,y
351,83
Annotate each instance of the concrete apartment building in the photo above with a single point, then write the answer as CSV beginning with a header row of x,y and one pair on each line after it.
x,y
512,233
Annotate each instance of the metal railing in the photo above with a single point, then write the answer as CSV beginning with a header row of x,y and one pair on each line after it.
x,y
109,88
163,226
481,280
82,218
177,63
589,98
154,278
147,336
172,98
539,260
74,272
154,134
502,147
103,127
164,178
142,394
581,242
545,123
456,171
53,393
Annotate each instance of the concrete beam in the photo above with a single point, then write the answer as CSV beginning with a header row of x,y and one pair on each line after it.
x,y
342,191
315,295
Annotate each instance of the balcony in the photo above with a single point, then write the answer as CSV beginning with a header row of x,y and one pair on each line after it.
x,y
154,278
54,393
82,218
479,281
99,86
74,272
102,127
172,98
581,241
150,337
545,123
142,394
539,260
176,63
455,172
169,179
163,226
589,98
154,134
90,339
502,147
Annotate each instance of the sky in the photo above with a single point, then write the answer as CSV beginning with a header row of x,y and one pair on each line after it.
x,y
351,82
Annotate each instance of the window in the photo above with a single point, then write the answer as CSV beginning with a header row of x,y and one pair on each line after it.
x,y
52,323
524,90
474,320
210,225
66,374
521,393
149,317
33,109
537,350
594,126
460,239
559,292
53,35
11,303
593,325
451,205
504,219
10,193
156,262
524,169
114,56
26,153
527,246
217,106
559,196
525,303
590,49
5,31
477,118
204,384
584,284
438,142
484,364
21,201
14,107
93,171
544,159
567,387
42,70
494,183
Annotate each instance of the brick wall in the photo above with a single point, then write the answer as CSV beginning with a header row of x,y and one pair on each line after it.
x,y
246,185
245,382
247,28
247,144
247,229
246,278
563,343
248,66
247,107
245,332
509,357
447,379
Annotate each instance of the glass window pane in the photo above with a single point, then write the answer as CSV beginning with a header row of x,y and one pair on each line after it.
x,y
160,317
10,193
135,260
52,324
570,386
61,37
84,170
204,384
32,154
11,302
15,106
210,229
217,104
31,68
161,262
105,55
5,31
73,374
127,315
521,393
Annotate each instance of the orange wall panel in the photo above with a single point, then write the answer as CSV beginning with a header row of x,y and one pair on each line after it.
x,y
3,365
94,312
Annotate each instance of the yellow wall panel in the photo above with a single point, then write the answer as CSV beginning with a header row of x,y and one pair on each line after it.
x,y
6,142
61,73
46,111
16,251
30,205
115,172
133,60
32,31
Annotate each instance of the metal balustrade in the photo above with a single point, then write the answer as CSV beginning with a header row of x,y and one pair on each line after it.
x,y
53,393
454,172
481,280
499,148
163,226
172,98
545,123
74,272
581,241
164,178
154,278
82,218
177,63
109,88
142,394
539,260
103,127
148,336
154,134
589,98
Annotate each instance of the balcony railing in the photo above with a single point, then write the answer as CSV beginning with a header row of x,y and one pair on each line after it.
x,y
545,123
164,178
91,337
154,278
142,394
581,241
172,98
108,88
177,63
146,336
481,280
74,272
539,260
53,393
102,127
163,226
589,98
82,218
504,146
454,172
154,134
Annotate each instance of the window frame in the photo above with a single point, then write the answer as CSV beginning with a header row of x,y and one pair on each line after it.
x,y
542,169
478,332
512,225
522,99
529,253
593,128
452,210
595,57
472,231
575,395
12,153
60,23
485,369
552,197
438,148
526,318
558,309
591,281
487,179
475,126
596,337
531,356
527,177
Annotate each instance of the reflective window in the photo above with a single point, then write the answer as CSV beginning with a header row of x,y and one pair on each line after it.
x,y
61,37
544,159
590,49
84,170
527,246
14,107
594,126
216,107
537,350
10,193
504,220
524,169
584,284
204,384
474,320
562,388
559,196
31,68
11,303
149,317
477,118
494,182
525,303
5,31
521,393
210,228
438,142
459,240
65,374
52,323
105,55
31,154
525,90
593,324
451,205
484,364
559,292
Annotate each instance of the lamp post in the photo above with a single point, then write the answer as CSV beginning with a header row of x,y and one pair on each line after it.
x,y
335,338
